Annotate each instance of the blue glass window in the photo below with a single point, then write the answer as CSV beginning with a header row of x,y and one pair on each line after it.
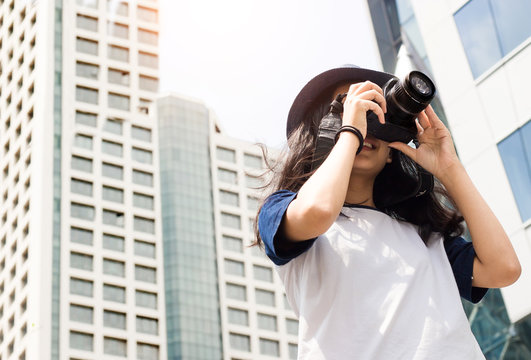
x,y
490,29
515,151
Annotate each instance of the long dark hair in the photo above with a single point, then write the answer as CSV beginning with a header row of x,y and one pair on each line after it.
x,y
432,212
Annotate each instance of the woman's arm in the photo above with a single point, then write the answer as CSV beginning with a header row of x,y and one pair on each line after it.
x,y
496,264
321,198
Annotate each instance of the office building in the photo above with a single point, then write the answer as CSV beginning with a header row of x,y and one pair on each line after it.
x,y
478,52
80,237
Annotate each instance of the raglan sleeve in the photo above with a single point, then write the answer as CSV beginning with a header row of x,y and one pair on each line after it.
x,y
269,227
461,255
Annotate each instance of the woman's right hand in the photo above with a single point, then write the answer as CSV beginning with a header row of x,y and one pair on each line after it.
x,y
362,97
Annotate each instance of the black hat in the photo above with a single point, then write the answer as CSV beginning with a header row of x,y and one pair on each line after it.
x,y
333,77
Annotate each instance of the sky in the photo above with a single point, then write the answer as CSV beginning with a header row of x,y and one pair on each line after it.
x,y
246,59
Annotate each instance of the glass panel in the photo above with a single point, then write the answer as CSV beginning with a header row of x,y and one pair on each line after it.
x,y
233,267
253,203
147,351
112,171
82,314
232,243
118,53
148,60
87,95
236,292
112,267
83,141
292,326
120,77
263,273
113,293
265,297
252,182
512,22
147,14
81,341
144,273
478,34
86,70
141,155
229,198
118,30
81,236
116,7
230,220
113,194
227,176
81,187
148,37
148,83
88,3
114,319
267,322
113,242
114,126
142,178
146,299
87,22
145,249
81,261
269,347
147,325
87,46
86,118
240,342
118,101
238,316
252,161
144,225
81,287
143,201
293,351
112,346
225,154
81,211
111,148
113,218
140,133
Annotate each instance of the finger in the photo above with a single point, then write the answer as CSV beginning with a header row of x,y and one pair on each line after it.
x,y
423,120
374,96
352,88
434,119
404,148
368,85
375,108
420,130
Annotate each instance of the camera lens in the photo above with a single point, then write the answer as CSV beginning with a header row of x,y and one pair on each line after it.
x,y
420,85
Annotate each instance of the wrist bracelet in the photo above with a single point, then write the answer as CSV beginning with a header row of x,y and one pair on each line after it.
x,y
353,130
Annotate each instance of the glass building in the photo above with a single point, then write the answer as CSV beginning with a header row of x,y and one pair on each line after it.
x,y
476,50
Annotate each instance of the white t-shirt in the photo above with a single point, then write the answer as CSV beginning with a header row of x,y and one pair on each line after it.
x,y
369,288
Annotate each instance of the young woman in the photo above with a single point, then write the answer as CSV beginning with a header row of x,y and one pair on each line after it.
x,y
368,277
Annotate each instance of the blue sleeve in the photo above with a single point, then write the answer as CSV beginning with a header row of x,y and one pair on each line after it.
x,y
461,255
269,221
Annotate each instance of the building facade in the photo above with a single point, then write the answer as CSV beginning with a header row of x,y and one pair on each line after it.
x,y
478,52
81,271
223,297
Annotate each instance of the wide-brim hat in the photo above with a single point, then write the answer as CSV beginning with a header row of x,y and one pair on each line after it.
x,y
323,82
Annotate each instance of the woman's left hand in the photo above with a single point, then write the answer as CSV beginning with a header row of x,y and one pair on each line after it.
x,y
436,152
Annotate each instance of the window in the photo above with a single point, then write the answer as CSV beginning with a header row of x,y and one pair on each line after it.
x,y
82,164
111,148
142,178
87,95
118,30
229,198
293,351
143,201
114,319
145,249
236,292
265,297
515,151
85,118
252,203
113,293
227,176
112,346
144,225
232,243
224,154
146,299
87,22
489,30
81,187
118,101
148,37
140,133
86,70
114,268
81,261
240,342
87,46
81,211
81,313
88,3
230,220
114,218
117,7
267,322
238,316
148,60
292,326
148,83
120,77
141,155
147,325
252,161
119,53
146,274
269,347
113,126
147,14
113,242
113,194
263,273
112,171
81,287
83,141
81,341
81,236
147,351
233,267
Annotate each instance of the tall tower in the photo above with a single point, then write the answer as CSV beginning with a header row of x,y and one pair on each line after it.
x,y
81,247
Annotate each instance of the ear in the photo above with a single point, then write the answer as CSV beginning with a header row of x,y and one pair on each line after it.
x,y
390,156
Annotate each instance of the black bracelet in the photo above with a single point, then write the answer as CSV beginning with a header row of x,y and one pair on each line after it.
x,y
353,130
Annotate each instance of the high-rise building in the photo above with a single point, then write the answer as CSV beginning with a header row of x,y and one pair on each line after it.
x,y
478,52
80,251
223,298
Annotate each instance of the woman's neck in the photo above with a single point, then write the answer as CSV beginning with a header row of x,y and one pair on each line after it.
x,y
359,191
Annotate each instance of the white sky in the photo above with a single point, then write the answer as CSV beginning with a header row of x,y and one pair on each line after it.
x,y
247,59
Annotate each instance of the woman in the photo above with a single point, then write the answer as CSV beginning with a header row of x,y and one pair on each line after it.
x,y
368,277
